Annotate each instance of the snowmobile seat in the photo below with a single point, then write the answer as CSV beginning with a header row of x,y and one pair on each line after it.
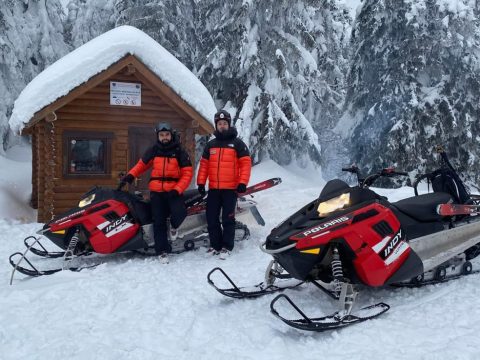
x,y
141,209
423,207
446,180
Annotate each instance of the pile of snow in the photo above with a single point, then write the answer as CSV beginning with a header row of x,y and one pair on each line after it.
x,y
16,185
97,55
136,308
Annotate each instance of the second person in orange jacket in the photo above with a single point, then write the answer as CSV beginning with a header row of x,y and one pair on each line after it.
x,y
226,164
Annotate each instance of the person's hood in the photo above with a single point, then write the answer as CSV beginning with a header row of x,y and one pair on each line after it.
x,y
230,134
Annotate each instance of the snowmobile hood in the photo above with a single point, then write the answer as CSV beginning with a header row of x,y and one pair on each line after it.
x,y
101,195
308,215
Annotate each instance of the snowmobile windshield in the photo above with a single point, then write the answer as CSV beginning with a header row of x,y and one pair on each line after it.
x,y
86,200
333,188
326,207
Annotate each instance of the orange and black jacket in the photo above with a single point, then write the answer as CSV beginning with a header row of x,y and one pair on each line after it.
x,y
172,169
225,162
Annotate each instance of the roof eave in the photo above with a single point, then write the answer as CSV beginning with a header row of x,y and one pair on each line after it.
x,y
204,126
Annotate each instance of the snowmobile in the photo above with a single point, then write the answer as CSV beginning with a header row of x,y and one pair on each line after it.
x,y
111,221
351,237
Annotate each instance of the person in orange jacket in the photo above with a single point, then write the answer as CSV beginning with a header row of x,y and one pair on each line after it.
x,y
227,165
171,175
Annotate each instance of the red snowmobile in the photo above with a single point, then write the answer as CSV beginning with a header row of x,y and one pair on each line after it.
x,y
111,221
351,236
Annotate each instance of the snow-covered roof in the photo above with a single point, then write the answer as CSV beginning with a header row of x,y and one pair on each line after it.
x,y
97,55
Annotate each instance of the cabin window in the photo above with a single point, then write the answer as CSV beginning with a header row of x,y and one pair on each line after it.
x,y
87,153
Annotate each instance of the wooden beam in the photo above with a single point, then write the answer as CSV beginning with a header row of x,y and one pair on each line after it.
x,y
131,69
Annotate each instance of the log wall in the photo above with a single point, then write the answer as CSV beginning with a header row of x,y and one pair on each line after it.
x,y
54,192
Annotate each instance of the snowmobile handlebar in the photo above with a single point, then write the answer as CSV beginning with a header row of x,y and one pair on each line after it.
x,y
370,179
386,172
353,169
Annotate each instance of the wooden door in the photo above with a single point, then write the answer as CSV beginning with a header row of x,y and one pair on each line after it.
x,y
139,140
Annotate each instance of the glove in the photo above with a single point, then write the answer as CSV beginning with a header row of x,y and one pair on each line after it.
x,y
124,180
128,179
201,190
173,194
241,188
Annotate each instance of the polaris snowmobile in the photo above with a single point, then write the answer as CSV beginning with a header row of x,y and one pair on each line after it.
x,y
351,237
111,221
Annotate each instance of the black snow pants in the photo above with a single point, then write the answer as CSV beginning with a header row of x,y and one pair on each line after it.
x,y
164,206
224,201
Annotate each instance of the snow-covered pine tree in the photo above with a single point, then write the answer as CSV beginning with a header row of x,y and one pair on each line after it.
x,y
31,37
169,22
277,66
413,84
86,19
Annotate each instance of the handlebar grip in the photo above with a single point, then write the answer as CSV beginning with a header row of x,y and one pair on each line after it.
x,y
346,169
401,173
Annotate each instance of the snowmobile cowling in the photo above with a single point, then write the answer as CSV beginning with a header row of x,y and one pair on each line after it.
x,y
351,237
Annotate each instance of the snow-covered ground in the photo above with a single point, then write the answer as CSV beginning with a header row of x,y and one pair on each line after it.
x,y
135,308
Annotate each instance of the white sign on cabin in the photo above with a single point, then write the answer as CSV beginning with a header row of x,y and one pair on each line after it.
x,y
125,94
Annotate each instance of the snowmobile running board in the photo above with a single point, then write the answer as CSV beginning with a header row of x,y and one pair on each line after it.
x,y
419,282
330,322
437,248
252,291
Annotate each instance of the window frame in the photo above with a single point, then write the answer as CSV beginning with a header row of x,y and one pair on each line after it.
x,y
105,136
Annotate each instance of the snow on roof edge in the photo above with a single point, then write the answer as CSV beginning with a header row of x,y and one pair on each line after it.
x,y
97,55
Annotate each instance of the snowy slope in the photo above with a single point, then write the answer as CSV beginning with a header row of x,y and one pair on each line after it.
x,y
134,308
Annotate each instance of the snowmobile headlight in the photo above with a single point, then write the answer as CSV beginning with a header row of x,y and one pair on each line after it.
x,y
87,201
326,207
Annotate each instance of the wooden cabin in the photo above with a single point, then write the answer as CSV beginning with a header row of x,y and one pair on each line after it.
x,y
99,130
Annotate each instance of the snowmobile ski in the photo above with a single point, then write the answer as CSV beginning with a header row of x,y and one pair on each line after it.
x,y
267,184
330,322
198,203
34,272
41,252
255,291
67,255
258,217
